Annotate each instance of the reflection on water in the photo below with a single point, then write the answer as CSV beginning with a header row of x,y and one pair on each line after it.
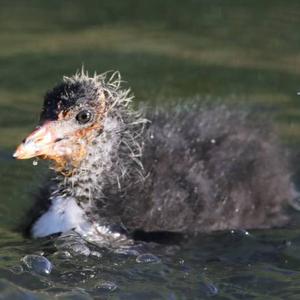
x,y
218,50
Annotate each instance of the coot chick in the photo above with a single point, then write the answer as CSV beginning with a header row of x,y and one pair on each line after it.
x,y
120,170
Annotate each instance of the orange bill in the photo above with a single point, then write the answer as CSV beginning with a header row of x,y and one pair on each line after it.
x,y
39,143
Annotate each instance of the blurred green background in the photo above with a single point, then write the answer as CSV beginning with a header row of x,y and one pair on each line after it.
x,y
233,50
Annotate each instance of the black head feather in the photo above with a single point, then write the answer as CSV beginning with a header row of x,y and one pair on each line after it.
x,y
65,96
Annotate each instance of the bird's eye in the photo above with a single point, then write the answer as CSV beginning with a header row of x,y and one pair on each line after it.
x,y
83,117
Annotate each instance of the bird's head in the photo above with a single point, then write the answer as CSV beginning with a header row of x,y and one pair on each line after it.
x,y
73,117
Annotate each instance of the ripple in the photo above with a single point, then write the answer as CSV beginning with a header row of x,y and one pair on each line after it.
x,y
73,243
72,295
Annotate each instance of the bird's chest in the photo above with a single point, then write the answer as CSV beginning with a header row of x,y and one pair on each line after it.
x,y
63,215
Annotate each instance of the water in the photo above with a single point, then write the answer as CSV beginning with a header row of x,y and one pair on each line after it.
x,y
232,265
218,50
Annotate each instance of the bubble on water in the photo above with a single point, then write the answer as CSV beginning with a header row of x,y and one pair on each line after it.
x,y
106,286
35,162
38,264
147,258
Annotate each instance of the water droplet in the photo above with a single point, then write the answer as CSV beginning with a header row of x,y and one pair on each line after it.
x,y
147,258
38,264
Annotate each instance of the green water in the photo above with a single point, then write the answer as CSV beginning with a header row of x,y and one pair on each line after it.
x,y
220,50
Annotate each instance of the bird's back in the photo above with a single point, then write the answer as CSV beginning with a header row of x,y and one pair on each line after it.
x,y
208,169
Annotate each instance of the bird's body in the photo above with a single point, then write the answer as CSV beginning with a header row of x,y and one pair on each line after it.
x,y
187,169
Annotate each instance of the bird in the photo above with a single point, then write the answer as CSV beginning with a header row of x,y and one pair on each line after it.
x,y
120,171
